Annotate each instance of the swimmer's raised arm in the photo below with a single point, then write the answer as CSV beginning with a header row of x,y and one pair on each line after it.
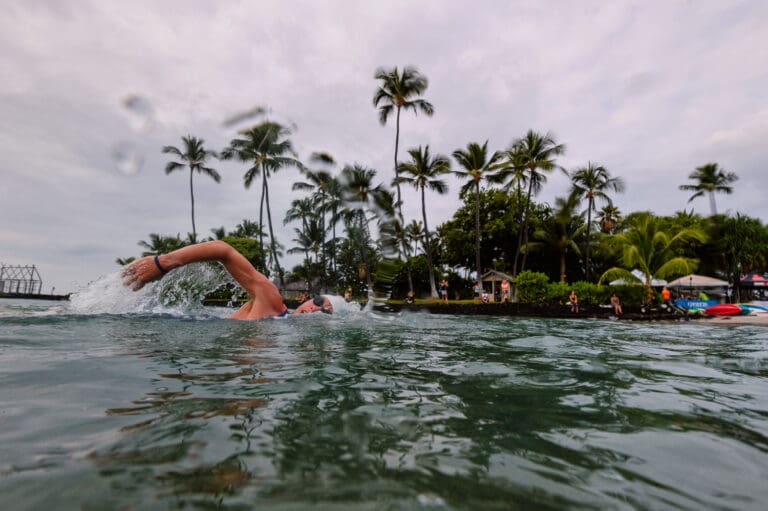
x,y
265,300
151,268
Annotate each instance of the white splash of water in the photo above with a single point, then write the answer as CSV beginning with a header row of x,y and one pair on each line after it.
x,y
180,293
341,307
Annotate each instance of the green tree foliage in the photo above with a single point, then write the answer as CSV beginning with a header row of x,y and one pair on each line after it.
x,y
499,229
250,248
531,287
646,246
562,231
741,246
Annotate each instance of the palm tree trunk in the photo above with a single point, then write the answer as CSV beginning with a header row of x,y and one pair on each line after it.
x,y
272,234
523,230
399,205
261,231
477,230
397,172
589,228
333,255
562,266
428,247
192,196
712,206
322,232
364,249
525,252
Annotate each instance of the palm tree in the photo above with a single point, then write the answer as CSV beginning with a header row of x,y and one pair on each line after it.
x,y
710,179
219,233
159,244
652,250
124,261
608,217
309,240
264,146
360,194
193,157
319,181
334,202
564,228
592,182
536,154
396,92
423,171
247,229
304,210
476,167
414,233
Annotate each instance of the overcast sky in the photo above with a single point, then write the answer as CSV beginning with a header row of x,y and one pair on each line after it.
x,y
650,90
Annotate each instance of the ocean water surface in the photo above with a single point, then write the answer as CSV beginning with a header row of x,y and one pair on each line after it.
x,y
116,401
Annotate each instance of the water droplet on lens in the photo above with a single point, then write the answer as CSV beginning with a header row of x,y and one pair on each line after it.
x,y
141,115
127,159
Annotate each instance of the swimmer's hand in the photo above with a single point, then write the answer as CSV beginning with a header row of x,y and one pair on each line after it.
x,y
140,272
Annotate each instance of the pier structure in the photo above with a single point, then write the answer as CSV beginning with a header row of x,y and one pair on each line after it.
x,y
23,280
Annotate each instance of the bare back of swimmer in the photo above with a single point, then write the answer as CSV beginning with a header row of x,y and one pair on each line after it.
x,y
264,298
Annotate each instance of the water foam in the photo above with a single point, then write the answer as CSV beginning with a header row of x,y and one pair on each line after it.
x,y
180,293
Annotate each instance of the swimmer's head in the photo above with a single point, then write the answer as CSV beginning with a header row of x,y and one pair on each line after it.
x,y
319,303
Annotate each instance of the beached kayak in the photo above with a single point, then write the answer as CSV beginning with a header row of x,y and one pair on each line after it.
x,y
724,309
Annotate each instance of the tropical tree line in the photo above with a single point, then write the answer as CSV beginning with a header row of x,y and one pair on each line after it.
x,y
351,231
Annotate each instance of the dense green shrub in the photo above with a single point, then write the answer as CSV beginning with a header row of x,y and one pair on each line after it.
x,y
532,287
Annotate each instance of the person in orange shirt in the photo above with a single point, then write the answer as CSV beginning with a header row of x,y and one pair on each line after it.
x,y
666,295
504,290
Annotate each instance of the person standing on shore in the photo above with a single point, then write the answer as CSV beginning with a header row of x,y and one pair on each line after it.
x,y
504,290
444,290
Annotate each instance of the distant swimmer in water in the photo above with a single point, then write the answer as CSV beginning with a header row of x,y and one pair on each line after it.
x,y
264,298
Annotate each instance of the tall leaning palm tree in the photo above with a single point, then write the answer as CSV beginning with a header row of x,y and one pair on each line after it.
x,y
398,91
536,154
593,182
193,157
423,171
476,166
710,178
266,148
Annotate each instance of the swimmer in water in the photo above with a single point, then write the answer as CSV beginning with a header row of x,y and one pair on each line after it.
x,y
264,298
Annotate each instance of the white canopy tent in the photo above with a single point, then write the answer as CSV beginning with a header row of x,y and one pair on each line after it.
x,y
641,276
697,281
